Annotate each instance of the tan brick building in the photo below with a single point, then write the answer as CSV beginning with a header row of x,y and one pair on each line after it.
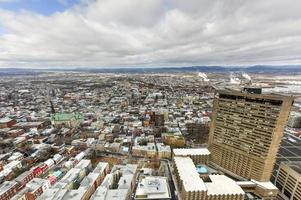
x,y
288,180
192,187
246,131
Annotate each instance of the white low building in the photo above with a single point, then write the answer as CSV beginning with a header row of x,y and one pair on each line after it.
x,y
153,187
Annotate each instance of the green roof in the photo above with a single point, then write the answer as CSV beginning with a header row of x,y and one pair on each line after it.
x,y
66,116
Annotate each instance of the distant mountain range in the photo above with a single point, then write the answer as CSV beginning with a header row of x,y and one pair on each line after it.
x,y
19,71
287,69
252,69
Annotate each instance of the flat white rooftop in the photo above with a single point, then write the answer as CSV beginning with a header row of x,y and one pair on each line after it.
x,y
153,187
71,175
222,185
186,152
5,120
119,194
148,147
161,147
101,166
53,194
189,175
267,185
83,164
103,193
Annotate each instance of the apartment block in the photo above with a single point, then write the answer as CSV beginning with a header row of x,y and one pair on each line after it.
x,y
118,185
215,187
246,131
8,189
164,151
288,180
148,150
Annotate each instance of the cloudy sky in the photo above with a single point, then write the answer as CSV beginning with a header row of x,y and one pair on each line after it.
x,y
149,33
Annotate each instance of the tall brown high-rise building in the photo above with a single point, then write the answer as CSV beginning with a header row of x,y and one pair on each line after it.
x,y
246,131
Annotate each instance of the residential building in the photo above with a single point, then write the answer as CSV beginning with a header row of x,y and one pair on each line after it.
x,y
101,169
148,150
8,189
164,151
246,131
288,180
118,185
7,122
88,185
70,180
85,167
24,178
294,120
33,189
173,140
192,187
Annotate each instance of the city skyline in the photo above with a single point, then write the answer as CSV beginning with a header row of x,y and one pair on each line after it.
x,y
150,100
145,136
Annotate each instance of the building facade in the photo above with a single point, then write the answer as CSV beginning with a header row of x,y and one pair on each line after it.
x,y
288,180
192,187
198,155
246,131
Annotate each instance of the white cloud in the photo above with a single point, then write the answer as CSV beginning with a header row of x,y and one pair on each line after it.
x,y
154,33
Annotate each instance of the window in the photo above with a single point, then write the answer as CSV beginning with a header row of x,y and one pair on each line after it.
x,y
287,193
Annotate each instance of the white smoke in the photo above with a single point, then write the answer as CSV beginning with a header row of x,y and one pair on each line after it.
x,y
246,76
234,79
203,76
